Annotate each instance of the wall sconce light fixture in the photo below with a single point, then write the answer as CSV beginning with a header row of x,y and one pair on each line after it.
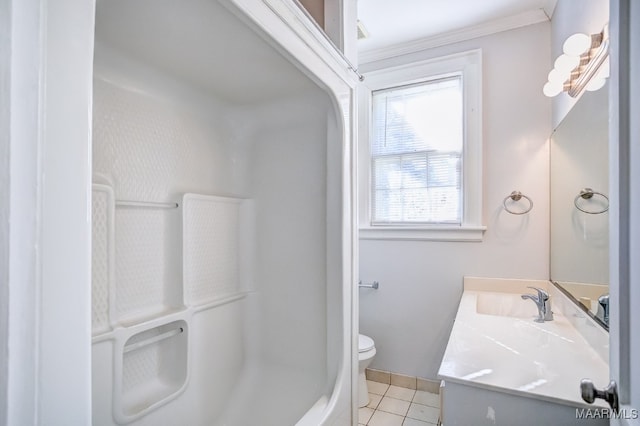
x,y
583,65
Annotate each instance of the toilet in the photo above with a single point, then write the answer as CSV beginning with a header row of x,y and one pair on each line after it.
x,y
366,352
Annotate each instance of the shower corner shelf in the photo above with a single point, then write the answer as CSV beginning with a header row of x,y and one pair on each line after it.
x,y
151,368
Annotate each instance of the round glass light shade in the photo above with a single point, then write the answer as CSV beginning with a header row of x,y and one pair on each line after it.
x,y
552,89
595,84
599,78
566,63
556,76
577,44
605,69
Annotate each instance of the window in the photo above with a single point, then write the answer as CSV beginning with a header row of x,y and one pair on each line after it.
x,y
416,149
420,151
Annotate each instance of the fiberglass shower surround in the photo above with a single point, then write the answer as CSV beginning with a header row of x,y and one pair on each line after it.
x,y
216,223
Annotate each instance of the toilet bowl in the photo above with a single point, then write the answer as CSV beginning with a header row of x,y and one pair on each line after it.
x,y
366,352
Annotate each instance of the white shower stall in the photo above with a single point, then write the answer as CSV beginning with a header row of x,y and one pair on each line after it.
x,y
222,230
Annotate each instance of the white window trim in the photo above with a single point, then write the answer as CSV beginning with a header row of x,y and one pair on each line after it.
x,y
471,228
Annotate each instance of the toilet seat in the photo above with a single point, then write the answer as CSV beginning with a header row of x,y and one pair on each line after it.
x,y
366,352
365,343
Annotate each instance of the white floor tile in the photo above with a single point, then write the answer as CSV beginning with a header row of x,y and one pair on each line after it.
x,y
377,388
381,418
374,400
395,406
364,414
423,412
414,422
400,393
426,398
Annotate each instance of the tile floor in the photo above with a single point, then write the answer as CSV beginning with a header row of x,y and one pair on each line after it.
x,y
395,406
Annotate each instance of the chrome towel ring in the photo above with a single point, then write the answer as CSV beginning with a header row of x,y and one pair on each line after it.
x,y
587,194
517,196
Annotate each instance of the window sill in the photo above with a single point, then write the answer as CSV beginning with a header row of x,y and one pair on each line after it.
x,y
425,233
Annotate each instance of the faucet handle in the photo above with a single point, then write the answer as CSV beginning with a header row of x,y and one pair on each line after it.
x,y
542,294
603,308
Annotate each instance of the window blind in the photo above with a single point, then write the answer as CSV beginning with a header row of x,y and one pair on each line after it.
x,y
416,152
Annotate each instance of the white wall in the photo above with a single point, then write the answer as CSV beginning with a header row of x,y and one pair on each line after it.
x,y
410,316
570,17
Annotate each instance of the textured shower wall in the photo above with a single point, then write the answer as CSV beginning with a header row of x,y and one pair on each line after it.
x,y
157,139
151,144
151,150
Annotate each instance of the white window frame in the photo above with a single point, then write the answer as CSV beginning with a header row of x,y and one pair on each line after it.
x,y
469,64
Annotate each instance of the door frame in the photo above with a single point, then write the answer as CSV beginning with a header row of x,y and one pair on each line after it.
x,y
47,82
624,238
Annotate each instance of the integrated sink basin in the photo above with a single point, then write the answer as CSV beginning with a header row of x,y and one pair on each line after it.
x,y
505,305
505,368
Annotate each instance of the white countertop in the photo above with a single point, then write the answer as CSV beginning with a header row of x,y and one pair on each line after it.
x,y
496,344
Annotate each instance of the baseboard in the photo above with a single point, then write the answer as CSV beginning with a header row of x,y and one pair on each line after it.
x,y
410,382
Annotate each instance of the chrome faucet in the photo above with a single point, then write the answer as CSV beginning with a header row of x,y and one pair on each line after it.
x,y
543,304
603,308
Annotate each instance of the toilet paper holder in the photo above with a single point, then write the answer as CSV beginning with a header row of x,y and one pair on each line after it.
x,y
374,285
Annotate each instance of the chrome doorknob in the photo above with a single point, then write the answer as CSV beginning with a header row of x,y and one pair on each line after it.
x,y
609,394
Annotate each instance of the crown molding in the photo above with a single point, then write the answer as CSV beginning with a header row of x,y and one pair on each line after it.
x,y
492,27
550,7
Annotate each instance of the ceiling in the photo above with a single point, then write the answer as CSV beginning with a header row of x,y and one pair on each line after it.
x,y
397,22
200,42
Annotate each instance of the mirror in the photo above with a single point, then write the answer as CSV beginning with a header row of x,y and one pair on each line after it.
x,y
579,178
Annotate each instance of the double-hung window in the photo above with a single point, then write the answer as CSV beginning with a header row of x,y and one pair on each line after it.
x,y
421,151
416,153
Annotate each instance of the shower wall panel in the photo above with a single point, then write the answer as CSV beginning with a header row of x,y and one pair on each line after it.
x,y
151,145
241,285
162,353
289,187
102,266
